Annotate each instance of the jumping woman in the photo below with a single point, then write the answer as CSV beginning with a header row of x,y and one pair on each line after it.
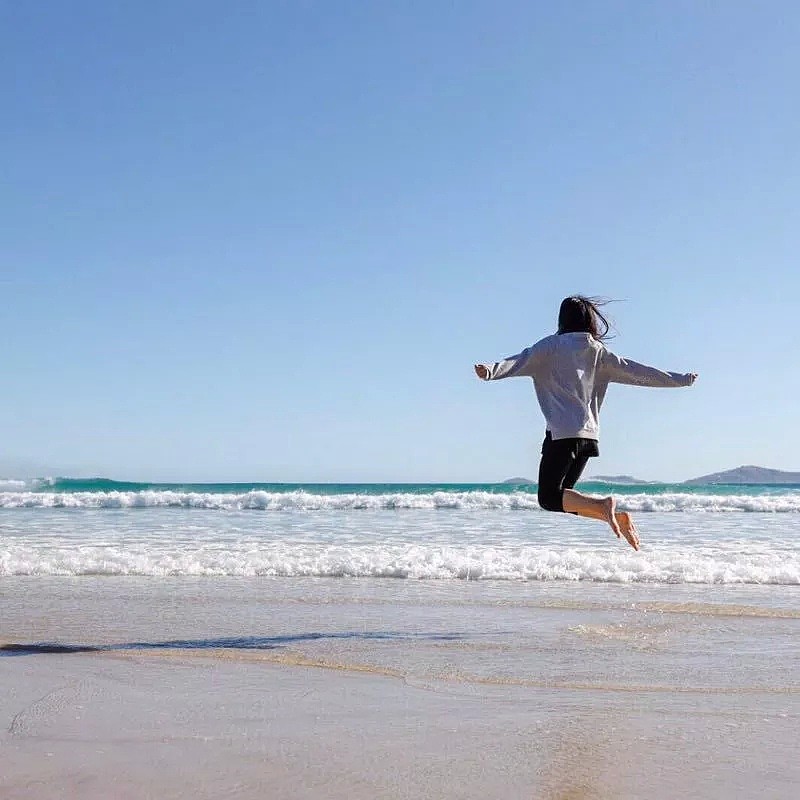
x,y
571,371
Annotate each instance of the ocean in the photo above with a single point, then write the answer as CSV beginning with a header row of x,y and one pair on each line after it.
x,y
690,535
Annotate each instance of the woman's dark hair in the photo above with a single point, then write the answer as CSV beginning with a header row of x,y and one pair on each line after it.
x,y
579,314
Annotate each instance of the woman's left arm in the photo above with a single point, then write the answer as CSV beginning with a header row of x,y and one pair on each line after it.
x,y
624,370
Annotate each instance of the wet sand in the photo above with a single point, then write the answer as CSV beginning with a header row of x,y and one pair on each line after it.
x,y
252,688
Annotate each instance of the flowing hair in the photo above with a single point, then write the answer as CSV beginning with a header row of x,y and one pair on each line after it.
x,y
579,314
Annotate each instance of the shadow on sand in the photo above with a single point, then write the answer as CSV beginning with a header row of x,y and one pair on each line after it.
x,y
228,643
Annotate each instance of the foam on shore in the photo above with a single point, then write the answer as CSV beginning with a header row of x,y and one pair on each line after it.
x,y
402,560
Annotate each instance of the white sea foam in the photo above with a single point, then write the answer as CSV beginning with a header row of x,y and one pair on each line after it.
x,y
439,500
419,561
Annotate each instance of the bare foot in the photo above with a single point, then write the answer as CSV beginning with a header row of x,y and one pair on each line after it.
x,y
610,510
628,529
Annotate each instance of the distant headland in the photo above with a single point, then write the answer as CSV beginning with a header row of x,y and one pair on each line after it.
x,y
619,480
626,480
748,474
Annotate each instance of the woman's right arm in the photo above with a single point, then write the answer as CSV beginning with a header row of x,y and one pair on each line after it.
x,y
521,364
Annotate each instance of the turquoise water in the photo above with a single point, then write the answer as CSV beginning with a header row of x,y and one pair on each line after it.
x,y
73,485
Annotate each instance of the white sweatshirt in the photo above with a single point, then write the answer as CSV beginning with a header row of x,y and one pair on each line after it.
x,y
571,372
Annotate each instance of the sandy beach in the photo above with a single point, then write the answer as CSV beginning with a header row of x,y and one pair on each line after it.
x,y
139,688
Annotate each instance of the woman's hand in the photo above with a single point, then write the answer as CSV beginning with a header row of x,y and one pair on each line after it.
x,y
482,371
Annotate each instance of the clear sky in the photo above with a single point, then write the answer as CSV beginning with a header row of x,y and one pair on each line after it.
x,y
268,240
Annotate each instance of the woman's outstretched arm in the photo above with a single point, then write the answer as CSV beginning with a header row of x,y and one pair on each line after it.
x,y
624,370
524,363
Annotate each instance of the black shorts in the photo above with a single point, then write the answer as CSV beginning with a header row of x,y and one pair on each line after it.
x,y
563,461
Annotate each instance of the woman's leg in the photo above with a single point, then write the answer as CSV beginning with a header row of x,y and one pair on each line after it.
x,y
603,509
582,504
558,459
623,518
593,507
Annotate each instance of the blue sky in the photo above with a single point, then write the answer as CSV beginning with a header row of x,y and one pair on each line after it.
x,y
267,241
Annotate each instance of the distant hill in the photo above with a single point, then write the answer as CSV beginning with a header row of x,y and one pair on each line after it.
x,y
624,480
747,474
740,475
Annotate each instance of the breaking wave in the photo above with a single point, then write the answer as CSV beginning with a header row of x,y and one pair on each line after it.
x,y
300,500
